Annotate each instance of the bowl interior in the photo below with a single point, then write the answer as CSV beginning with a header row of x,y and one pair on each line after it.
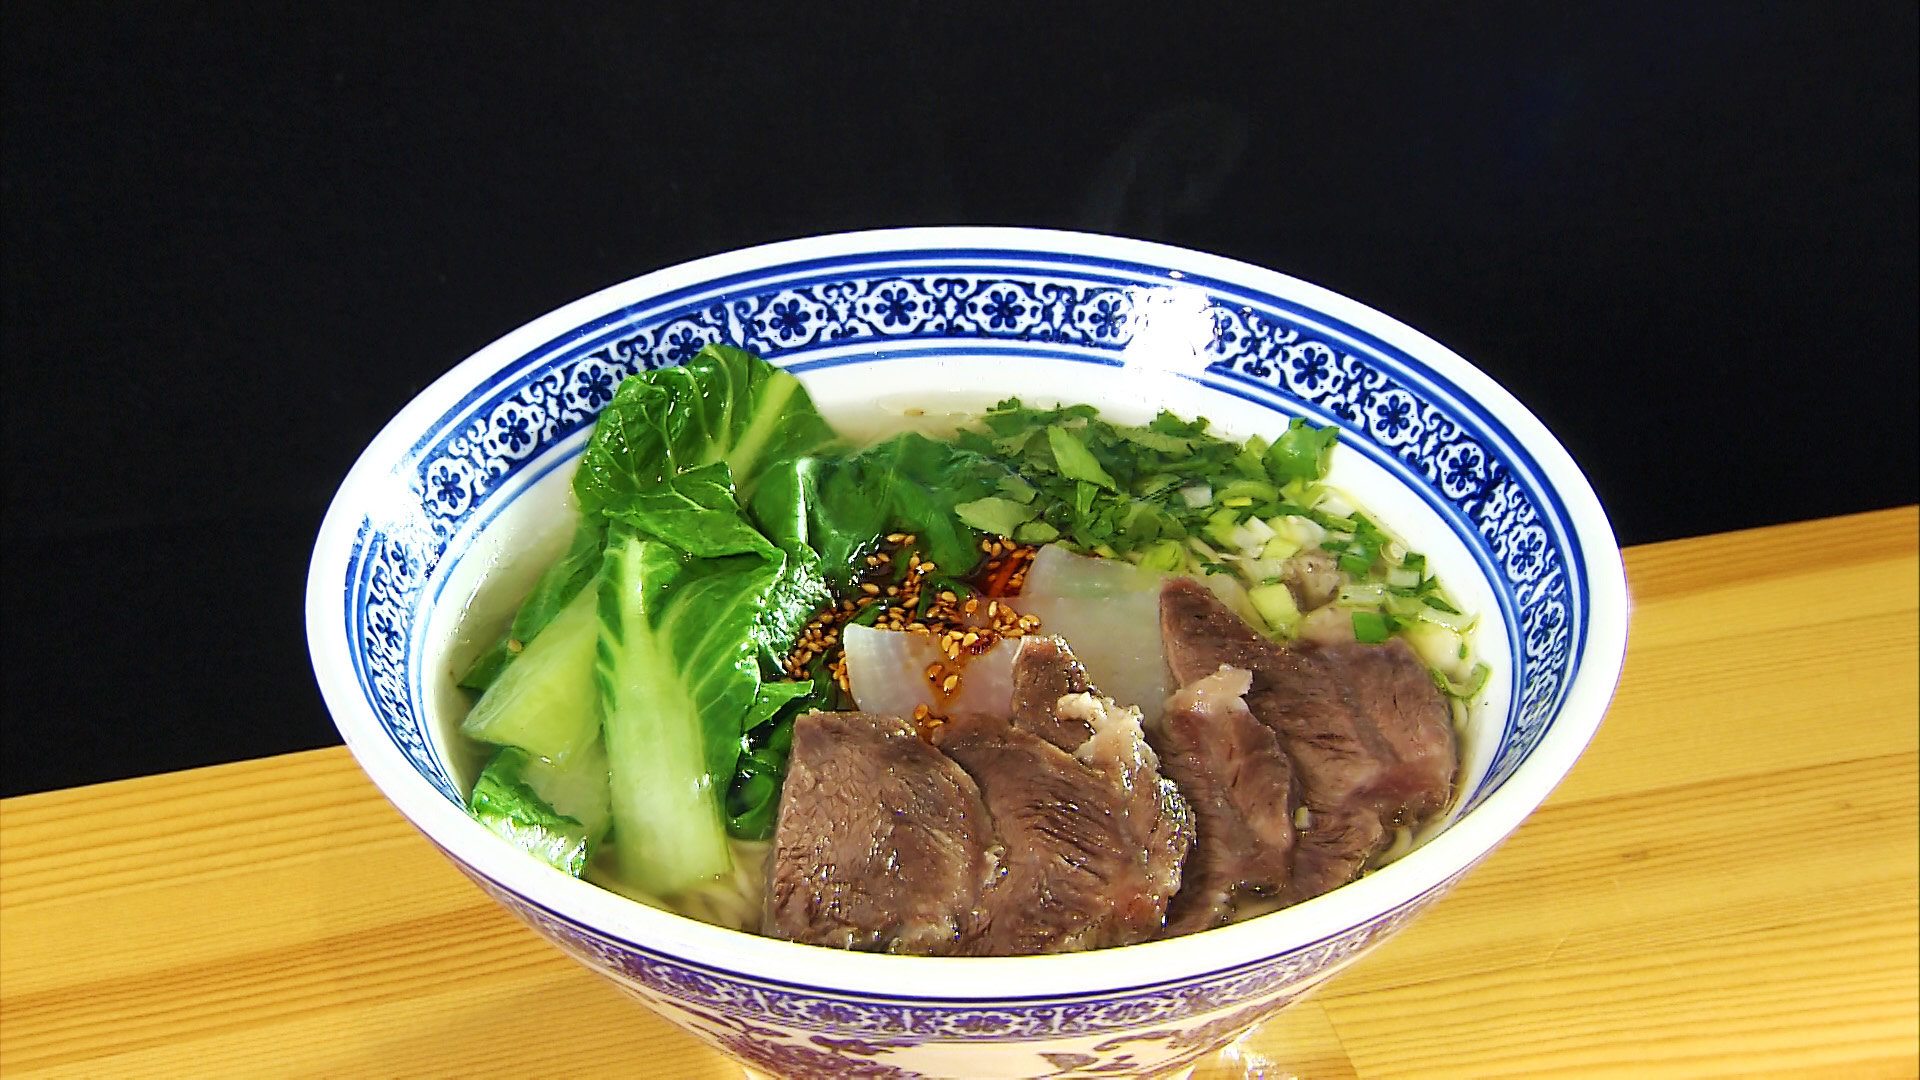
x,y
464,496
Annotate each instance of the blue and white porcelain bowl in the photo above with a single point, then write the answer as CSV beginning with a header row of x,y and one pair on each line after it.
x,y
468,486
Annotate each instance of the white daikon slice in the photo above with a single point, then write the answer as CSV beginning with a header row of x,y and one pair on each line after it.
x,y
1109,612
887,672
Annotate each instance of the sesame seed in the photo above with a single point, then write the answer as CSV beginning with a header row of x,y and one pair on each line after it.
x,y
870,589
947,684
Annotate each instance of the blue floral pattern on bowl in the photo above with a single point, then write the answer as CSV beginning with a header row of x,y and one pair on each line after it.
x,y
798,1031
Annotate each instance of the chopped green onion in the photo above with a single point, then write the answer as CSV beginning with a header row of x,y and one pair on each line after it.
x,y
1280,547
1331,522
1276,605
1355,564
1412,608
1221,525
1476,681
1302,452
1402,578
1165,555
1249,489
1361,595
1370,627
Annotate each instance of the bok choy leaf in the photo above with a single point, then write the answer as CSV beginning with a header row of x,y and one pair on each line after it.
x,y
678,673
557,587
724,406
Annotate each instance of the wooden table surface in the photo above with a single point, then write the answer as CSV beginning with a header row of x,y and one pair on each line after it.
x,y
1727,884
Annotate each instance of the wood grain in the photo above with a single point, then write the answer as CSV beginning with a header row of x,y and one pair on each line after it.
x,y
1727,885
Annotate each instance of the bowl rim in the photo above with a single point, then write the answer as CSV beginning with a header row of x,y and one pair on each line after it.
x,y
813,969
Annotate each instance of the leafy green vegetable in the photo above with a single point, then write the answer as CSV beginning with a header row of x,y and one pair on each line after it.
x,y
694,511
1017,489
1075,461
1036,532
754,799
909,483
544,702
994,514
667,660
556,587
677,673
724,405
1035,475
799,591
773,699
1125,491
507,799
783,500
1155,440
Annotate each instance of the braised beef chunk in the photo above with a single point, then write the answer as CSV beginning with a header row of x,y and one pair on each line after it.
x,y
1369,737
1315,713
882,843
1118,750
1044,671
1091,855
1239,783
1364,724
1202,636
1274,775
1332,850
1405,723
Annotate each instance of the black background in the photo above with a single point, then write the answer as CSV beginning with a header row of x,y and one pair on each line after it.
x,y
237,241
